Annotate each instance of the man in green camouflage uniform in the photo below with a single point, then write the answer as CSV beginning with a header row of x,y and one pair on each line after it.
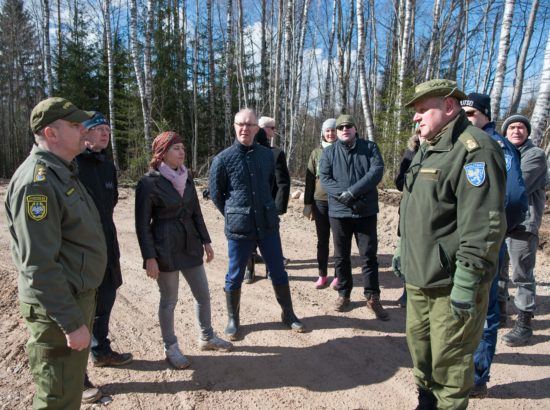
x,y
59,249
452,226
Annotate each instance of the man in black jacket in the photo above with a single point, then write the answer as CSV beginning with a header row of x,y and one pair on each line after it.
x,y
350,169
98,174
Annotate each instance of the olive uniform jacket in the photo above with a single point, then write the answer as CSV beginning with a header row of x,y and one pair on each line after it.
x,y
58,245
452,211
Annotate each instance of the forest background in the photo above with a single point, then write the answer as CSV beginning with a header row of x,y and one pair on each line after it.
x,y
190,65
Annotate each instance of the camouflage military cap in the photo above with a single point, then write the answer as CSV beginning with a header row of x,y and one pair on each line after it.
x,y
56,108
345,119
436,88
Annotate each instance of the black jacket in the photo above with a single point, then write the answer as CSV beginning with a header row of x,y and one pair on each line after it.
x,y
280,190
169,228
98,174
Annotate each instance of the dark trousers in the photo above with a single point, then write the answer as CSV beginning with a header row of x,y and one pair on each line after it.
x,y
106,295
239,252
364,230
322,226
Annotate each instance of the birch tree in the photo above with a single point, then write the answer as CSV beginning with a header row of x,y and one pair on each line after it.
x,y
211,79
503,50
520,67
403,60
434,40
47,49
229,61
541,112
362,72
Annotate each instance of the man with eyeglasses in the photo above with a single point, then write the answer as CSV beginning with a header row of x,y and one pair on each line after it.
x,y
452,226
98,174
477,108
240,182
349,170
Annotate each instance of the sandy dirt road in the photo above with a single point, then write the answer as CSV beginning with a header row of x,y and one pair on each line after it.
x,y
345,361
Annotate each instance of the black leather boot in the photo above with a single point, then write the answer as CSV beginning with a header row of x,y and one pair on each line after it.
x,y
249,271
282,293
522,331
233,300
502,313
426,400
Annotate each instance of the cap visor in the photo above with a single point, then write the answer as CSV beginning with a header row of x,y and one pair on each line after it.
x,y
79,116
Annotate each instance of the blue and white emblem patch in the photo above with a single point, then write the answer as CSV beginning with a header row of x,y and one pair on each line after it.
x,y
508,159
475,173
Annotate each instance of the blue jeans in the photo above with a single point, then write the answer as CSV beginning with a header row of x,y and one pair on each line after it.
x,y
106,295
168,283
364,230
483,356
240,250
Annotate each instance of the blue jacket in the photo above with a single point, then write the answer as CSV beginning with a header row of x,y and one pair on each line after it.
x,y
516,201
240,184
357,169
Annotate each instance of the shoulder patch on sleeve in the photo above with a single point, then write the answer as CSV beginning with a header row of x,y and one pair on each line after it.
x,y
469,142
40,171
37,206
475,173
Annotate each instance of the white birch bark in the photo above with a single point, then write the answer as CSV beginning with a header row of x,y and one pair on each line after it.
x,y
229,50
541,112
197,45
362,72
520,67
47,48
328,100
404,57
241,52
503,50
211,78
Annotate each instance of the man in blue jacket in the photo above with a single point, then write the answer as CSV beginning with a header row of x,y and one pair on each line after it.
x,y
350,169
478,110
240,182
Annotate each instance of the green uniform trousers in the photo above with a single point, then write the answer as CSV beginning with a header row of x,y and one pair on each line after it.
x,y
58,371
442,346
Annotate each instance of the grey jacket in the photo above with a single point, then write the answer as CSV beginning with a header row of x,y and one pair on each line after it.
x,y
357,169
535,177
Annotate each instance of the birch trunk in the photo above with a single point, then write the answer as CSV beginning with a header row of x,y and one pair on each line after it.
x,y
197,45
229,50
47,48
241,52
211,79
503,50
404,57
362,73
328,100
434,40
520,67
278,53
541,112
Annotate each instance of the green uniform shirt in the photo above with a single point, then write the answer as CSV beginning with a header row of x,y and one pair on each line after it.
x,y
58,244
452,210
313,167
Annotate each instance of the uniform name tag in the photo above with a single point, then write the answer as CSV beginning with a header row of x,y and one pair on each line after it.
x,y
37,206
475,173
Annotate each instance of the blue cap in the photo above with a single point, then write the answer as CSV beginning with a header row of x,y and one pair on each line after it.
x,y
97,119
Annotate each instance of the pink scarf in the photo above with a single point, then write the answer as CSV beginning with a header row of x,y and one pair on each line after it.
x,y
177,177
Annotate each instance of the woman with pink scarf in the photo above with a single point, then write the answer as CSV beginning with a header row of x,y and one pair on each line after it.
x,y
173,238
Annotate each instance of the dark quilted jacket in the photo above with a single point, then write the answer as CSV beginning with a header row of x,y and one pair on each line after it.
x,y
169,228
240,184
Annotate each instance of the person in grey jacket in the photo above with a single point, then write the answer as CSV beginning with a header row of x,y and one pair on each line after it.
x,y
350,169
523,240
240,184
173,238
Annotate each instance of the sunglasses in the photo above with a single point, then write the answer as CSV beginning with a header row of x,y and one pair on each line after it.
x,y
346,126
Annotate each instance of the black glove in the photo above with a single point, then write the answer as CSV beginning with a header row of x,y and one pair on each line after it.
x,y
346,198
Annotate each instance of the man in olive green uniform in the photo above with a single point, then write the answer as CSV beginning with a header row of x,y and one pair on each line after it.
x,y
452,225
59,249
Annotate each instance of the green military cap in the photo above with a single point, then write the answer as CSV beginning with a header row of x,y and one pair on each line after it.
x,y
436,88
345,119
56,108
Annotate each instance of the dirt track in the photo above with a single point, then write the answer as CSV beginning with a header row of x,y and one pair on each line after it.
x,y
346,360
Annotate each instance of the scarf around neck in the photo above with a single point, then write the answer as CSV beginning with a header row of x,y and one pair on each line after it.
x,y
178,177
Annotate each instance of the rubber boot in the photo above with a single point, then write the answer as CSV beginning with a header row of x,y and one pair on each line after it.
x,y
522,331
249,271
426,400
233,300
282,293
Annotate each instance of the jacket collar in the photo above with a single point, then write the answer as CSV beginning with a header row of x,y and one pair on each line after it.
x,y
63,169
446,138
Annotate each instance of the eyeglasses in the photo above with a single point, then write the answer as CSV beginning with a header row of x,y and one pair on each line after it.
x,y
346,126
245,124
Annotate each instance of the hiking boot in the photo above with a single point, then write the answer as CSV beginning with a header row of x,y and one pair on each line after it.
x,y
522,331
175,357
321,282
215,343
249,272
112,359
91,394
479,391
334,283
426,400
373,303
342,303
